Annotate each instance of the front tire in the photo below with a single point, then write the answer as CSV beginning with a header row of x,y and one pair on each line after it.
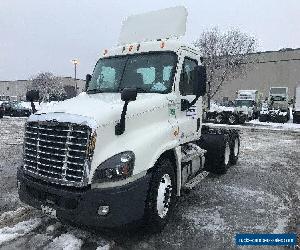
x,y
161,196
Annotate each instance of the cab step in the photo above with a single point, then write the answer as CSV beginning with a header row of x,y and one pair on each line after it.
x,y
196,180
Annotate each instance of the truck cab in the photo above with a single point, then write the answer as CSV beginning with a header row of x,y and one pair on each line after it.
x,y
124,149
247,101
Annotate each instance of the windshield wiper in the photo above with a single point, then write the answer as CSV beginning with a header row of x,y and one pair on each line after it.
x,y
138,89
142,90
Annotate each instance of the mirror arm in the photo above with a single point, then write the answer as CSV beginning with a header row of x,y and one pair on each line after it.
x,y
120,126
194,101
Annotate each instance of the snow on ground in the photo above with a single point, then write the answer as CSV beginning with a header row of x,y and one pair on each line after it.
x,y
65,242
18,230
257,125
259,195
283,126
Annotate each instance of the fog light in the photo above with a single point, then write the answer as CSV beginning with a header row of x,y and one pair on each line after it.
x,y
103,210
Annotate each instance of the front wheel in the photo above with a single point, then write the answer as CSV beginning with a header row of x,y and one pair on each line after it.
x,y
161,196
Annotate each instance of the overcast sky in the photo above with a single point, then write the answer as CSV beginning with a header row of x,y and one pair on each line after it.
x,y
44,35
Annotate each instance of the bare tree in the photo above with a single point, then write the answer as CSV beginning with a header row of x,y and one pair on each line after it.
x,y
49,86
224,56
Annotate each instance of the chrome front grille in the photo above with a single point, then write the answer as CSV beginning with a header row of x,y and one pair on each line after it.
x,y
56,152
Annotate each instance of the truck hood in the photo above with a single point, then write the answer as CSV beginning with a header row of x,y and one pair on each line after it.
x,y
100,109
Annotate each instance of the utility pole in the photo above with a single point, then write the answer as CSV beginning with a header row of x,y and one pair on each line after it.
x,y
75,62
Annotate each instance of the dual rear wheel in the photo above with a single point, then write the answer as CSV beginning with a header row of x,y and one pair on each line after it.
x,y
223,149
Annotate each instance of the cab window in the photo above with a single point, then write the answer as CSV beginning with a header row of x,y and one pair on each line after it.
x,y
186,82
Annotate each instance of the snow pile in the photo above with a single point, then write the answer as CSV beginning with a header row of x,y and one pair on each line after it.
x,y
106,247
65,242
218,108
18,230
285,126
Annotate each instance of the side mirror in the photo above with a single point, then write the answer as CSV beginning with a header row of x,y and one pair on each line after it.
x,y
88,78
33,96
199,80
129,94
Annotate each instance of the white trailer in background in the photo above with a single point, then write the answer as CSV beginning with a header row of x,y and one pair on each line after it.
x,y
296,111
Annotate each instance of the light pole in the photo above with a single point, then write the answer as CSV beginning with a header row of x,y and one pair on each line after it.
x,y
75,62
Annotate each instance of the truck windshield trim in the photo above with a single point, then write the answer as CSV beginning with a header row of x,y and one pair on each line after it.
x,y
151,72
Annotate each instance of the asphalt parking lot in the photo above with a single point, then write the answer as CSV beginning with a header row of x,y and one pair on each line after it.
x,y
259,195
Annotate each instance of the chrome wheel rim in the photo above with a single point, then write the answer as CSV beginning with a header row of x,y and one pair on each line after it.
x,y
231,119
219,119
227,154
236,147
164,194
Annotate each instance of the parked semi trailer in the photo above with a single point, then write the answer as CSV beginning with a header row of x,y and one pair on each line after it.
x,y
123,150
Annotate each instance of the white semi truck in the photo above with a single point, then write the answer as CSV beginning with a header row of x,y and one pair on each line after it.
x,y
247,102
122,151
277,106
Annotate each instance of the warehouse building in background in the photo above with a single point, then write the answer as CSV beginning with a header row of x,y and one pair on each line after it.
x,y
16,90
265,69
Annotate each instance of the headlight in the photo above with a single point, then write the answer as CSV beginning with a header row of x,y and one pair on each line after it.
x,y
116,168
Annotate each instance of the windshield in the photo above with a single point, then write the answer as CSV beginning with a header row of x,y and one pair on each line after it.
x,y
247,103
151,72
278,98
278,91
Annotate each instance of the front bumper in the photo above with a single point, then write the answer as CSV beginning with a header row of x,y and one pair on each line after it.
x,y
80,206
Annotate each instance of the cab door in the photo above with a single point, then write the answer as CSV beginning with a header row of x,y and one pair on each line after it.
x,y
188,120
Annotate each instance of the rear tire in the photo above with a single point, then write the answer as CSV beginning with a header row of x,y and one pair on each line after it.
x,y
262,118
217,158
161,196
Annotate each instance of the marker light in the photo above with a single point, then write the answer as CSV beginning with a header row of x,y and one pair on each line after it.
x,y
162,44
103,210
105,52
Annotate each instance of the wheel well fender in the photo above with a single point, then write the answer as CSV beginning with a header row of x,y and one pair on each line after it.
x,y
174,155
